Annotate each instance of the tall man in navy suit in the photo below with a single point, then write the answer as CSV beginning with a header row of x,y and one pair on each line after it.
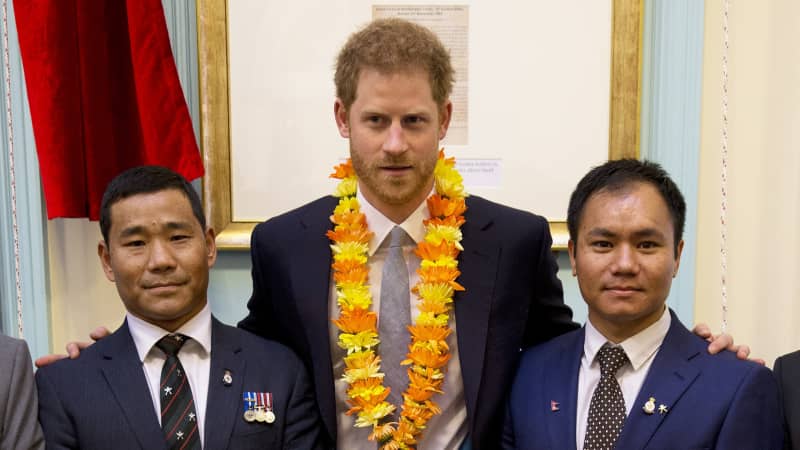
x,y
634,377
171,376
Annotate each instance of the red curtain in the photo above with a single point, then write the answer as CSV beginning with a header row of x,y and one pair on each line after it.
x,y
104,96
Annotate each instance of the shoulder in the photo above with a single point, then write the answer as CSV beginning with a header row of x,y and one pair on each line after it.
x,y
504,222
481,207
320,208
256,348
789,361
562,346
11,348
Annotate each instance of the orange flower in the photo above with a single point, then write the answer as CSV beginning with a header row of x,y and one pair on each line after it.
x,y
349,234
426,250
442,207
356,321
440,274
350,219
449,221
420,333
427,358
343,170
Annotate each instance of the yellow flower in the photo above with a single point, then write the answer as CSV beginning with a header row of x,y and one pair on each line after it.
x,y
356,296
443,261
437,292
448,181
346,188
438,233
435,320
346,204
371,370
370,417
357,342
355,251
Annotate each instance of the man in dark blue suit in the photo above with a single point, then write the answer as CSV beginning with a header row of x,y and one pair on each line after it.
x,y
172,376
393,81
634,377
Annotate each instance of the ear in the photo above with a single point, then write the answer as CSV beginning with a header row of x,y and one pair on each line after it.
x,y
211,247
105,259
340,114
445,113
678,252
571,251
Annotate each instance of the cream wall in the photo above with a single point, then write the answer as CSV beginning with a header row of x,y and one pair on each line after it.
x,y
81,298
763,276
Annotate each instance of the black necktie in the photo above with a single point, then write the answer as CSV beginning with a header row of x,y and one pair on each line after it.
x,y
607,409
178,416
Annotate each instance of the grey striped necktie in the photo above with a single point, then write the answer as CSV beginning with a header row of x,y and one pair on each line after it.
x,y
395,316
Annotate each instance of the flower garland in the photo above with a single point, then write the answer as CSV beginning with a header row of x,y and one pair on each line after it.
x,y
358,332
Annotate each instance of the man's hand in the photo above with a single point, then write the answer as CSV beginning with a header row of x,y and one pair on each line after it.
x,y
73,348
723,341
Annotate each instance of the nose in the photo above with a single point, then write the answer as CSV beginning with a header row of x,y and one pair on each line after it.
x,y
625,261
395,141
161,257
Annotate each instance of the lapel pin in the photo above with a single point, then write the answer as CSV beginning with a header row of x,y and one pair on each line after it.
x,y
650,406
227,379
662,409
554,405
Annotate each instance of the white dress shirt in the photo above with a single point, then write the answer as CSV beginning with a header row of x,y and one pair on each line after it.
x,y
444,431
641,350
195,357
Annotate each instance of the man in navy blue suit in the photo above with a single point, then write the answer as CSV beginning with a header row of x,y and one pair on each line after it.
x,y
171,376
634,377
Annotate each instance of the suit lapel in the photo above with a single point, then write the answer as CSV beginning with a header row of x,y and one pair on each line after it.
x,y
223,406
561,385
670,375
125,377
310,278
478,266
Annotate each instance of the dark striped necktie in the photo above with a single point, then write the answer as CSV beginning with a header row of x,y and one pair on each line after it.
x,y
178,415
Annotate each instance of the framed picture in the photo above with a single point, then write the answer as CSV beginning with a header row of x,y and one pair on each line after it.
x,y
552,89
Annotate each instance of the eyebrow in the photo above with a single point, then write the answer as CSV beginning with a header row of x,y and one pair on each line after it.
x,y
639,234
139,229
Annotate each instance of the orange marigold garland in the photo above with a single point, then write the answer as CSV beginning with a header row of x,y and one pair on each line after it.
x,y
358,331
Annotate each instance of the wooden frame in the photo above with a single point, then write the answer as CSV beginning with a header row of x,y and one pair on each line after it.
x,y
215,138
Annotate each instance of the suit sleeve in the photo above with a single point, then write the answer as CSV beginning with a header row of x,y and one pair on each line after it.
x,y
59,432
260,317
303,425
754,420
779,376
507,442
20,429
548,316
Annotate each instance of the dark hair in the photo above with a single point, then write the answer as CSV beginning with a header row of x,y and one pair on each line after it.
x,y
146,180
619,174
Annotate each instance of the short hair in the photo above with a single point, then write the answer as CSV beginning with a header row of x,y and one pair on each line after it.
x,y
620,174
146,180
389,46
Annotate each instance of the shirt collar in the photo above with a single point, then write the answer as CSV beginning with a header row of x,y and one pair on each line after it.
x,y
381,225
145,334
639,347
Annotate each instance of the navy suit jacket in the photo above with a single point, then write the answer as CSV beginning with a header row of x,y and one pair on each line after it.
x,y
714,401
787,371
101,400
513,299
